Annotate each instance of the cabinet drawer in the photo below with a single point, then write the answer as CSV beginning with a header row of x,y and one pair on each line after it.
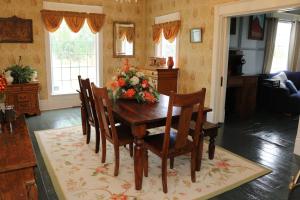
x,y
23,97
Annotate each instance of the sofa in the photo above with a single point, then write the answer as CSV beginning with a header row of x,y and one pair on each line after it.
x,y
281,99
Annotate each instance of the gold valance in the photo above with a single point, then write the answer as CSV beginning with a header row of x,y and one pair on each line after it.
x,y
126,32
75,20
169,29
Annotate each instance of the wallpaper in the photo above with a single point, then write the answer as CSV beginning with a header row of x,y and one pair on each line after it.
x,y
195,59
33,54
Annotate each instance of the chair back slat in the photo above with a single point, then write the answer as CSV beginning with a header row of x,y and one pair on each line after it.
x,y
186,103
104,111
88,100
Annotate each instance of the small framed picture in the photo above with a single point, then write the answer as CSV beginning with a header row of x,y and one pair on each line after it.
x,y
196,35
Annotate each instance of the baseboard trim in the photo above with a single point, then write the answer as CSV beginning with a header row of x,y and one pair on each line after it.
x,y
55,103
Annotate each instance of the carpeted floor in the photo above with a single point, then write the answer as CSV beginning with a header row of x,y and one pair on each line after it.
x,y
77,173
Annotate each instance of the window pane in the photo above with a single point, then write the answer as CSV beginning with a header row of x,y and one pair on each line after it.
x,y
166,49
281,51
72,54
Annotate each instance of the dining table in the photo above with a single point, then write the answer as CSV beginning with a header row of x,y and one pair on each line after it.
x,y
140,117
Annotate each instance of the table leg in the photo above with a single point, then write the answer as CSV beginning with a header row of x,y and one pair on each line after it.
x,y
139,132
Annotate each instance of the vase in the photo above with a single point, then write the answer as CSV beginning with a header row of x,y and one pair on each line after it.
x,y
8,77
170,62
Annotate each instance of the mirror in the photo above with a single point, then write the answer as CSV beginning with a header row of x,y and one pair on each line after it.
x,y
124,39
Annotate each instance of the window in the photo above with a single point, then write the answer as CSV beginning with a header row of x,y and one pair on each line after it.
x,y
281,50
72,54
166,49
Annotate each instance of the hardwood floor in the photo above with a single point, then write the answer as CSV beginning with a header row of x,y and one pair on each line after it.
x,y
267,139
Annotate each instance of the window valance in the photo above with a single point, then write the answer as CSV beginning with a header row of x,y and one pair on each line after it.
x,y
126,32
169,29
75,20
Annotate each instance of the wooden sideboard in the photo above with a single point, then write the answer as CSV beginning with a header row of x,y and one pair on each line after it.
x,y
244,92
24,97
164,79
17,162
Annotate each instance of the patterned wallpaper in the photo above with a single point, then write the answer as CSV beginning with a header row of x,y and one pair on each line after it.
x,y
194,59
34,54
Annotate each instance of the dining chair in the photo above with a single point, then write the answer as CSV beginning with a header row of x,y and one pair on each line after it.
x,y
172,142
90,116
83,112
118,135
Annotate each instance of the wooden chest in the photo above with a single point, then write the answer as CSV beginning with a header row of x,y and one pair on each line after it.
x,y
164,79
17,180
24,97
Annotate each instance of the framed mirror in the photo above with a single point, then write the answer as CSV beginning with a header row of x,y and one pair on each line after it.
x,y
124,39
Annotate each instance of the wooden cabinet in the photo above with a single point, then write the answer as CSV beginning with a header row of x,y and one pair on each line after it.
x,y
244,89
164,79
17,163
24,97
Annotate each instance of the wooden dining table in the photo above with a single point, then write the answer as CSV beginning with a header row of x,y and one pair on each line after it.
x,y
141,117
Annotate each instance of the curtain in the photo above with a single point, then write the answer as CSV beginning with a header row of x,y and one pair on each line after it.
x,y
95,21
52,19
272,24
75,20
126,33
294,51
157,28
170,31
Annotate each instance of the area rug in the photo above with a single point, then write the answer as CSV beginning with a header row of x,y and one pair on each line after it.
x,y
77,172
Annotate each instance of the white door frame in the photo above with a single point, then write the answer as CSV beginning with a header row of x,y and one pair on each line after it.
x,y
221,44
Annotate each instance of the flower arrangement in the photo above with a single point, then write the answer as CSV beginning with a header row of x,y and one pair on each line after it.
x,y
3,85
132,84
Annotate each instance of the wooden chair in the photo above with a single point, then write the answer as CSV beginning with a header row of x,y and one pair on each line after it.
x,y
90,114
171,144
83,113
117,135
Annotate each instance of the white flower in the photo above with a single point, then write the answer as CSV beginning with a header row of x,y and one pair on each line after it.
x,y
123,73
114,78
134,80
140,74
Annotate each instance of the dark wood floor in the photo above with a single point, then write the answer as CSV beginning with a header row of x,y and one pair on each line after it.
x,y
265,138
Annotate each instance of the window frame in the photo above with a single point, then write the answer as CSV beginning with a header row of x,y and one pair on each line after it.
x,y
158,46
289,44
99,46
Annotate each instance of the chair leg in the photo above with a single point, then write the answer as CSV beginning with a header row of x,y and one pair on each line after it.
x,y
164,174
193,166
211,148
83,121
199,152
88,133
117,160
103,145
97,139
172,162
146,163
131,149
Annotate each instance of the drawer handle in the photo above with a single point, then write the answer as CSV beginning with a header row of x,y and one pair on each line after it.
x,y
31,190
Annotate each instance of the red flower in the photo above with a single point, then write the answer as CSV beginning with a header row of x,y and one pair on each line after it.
x,y
129,93
149,97
119,197
114,84
3,83
222,164
145,84
121,82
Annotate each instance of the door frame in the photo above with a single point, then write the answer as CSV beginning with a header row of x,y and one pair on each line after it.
x,y
221,36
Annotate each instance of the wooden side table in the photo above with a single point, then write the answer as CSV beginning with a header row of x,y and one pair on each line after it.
x,y
17,163
24,97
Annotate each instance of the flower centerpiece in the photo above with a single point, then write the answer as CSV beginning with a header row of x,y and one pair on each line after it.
x,y
132,84
3,84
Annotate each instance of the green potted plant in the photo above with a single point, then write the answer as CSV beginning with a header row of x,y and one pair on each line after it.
x,y
18,74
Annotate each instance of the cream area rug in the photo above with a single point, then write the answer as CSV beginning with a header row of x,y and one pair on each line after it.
x,y
77,172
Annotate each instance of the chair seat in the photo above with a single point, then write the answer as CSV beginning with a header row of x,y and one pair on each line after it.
x,y
124,135
155,144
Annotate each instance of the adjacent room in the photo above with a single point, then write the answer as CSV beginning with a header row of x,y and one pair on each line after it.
x,y
149,99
